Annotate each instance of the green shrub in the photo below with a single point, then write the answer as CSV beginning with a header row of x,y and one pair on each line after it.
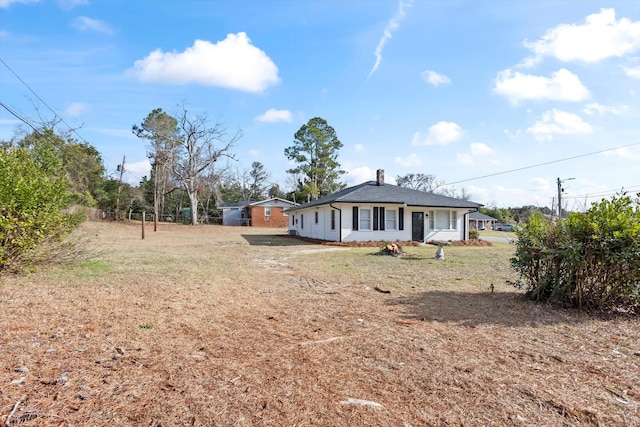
x,y
589,259
33,195
474,234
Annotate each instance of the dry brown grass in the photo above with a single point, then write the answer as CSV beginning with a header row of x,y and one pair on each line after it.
x,y
240,327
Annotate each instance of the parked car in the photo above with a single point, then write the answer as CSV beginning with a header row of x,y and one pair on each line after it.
x,y
504,227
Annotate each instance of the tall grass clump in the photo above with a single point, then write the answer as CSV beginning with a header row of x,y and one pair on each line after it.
x,y
588,260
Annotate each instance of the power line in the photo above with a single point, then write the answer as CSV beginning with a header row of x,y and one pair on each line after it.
x,y
604,193
544,164
18,116
56,115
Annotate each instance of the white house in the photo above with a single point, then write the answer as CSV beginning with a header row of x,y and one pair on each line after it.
x,y
375,211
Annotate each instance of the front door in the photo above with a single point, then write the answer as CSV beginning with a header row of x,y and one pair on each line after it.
x,y
417,226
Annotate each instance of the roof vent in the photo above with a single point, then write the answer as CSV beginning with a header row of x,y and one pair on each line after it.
x,y
380,177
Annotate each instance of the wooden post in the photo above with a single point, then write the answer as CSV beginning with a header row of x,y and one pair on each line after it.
x,y
121,169
143,216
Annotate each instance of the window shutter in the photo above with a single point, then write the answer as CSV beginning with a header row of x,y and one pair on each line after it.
x,y
375,218
381,218
354,225
400,218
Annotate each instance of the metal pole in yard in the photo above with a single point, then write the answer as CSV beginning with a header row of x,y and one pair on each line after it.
x,y
143,216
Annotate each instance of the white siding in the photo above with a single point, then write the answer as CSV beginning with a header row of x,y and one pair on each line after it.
x,y
344,224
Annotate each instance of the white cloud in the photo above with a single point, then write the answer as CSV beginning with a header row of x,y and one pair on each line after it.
x,y
593,108
442,133
84,23
359,175
633,72
358,148
624,152
232,63
254,153
76,108
412,160
434,78
477,149
539,184
480,149
394,24
275,116
560,123
137,170
563,85
600,37
4,4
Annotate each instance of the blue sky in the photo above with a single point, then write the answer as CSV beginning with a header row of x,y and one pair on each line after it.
x,y
457,89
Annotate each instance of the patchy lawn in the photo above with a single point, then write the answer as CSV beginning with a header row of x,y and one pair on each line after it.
x,y
229,326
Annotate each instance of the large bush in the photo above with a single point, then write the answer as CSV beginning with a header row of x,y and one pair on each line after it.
x,y
589,259
33,196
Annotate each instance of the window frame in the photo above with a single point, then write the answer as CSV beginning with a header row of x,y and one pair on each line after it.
x,y
267,211
391,224
364,224
434,218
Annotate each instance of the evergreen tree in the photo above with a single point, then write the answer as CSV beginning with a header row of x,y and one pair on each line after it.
x,y
315,149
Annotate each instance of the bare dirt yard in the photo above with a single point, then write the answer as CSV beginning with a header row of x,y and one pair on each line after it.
x,y
223,326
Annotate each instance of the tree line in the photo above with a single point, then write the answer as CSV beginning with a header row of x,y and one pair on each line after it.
x,y
194,169
45,171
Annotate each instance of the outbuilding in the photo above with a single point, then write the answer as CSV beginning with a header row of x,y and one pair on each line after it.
x,y
264,213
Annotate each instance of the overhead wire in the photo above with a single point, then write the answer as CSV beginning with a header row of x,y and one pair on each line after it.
x,y
603,193
73,130
56,115
543,164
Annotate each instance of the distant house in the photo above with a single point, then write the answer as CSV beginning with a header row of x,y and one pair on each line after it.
x,y
235,213
265,213
480,221
270,213
375,211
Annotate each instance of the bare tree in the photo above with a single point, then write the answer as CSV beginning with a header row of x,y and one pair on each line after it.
x,y
200,146
430,184
419,181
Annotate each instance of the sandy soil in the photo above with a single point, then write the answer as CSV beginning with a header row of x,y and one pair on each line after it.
x,y
247,327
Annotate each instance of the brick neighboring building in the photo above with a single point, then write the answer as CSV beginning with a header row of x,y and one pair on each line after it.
x,y
265,213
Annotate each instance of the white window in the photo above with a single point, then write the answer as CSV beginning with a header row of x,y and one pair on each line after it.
x,y
365,219
443,220
390,220
267,211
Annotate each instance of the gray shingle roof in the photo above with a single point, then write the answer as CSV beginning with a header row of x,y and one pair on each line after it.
x,y
370,192
240,204
481,216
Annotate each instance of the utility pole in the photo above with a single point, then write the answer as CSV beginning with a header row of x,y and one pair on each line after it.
x,y
121,169
560,191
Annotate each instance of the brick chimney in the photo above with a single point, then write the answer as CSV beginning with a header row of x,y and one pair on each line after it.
x,y
380,177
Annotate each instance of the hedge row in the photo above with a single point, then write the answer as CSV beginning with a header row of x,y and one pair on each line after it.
x,y
589,260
